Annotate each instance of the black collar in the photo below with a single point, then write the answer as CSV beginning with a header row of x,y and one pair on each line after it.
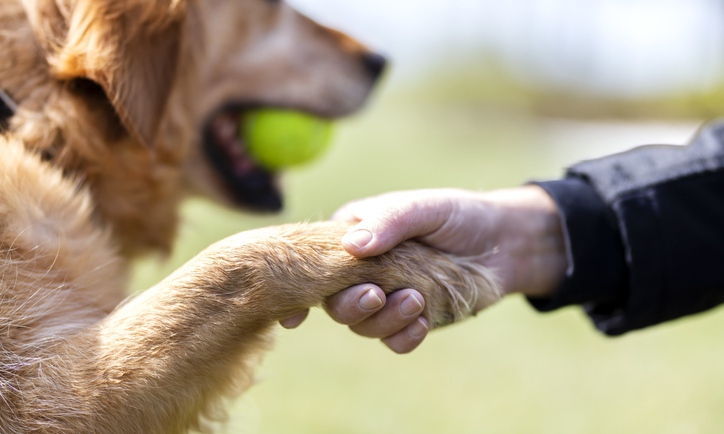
x,y
8,107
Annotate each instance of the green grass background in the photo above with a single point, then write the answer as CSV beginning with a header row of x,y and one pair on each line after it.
x,y
509,370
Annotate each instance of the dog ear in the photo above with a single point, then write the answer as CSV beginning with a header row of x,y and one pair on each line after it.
x,y
129,47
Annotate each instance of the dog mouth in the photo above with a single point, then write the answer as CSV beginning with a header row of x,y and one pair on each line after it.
x,y
247,183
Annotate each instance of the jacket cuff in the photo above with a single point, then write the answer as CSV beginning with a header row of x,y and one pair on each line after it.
x,y
596,261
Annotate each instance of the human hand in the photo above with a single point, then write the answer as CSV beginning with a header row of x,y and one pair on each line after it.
x,y
515,232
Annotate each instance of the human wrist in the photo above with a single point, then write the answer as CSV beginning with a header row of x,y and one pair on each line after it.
x,y
549,259
531,248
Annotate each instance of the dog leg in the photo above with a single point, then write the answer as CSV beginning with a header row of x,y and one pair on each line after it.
x,y
176,346
166,356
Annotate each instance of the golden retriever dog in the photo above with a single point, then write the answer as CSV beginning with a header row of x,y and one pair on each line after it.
x,y
120,109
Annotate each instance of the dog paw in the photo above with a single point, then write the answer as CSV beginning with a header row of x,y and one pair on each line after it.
x,y
454,287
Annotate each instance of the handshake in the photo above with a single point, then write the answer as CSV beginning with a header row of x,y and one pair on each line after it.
x,y
514,235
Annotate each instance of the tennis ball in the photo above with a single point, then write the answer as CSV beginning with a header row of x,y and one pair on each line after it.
x,y
278,139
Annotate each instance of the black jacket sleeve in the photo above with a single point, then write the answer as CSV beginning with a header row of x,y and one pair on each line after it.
x,y
644,232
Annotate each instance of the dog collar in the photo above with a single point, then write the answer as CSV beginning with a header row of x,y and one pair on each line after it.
x,y
8,107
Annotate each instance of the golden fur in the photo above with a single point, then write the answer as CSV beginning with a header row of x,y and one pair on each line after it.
x,y
92,178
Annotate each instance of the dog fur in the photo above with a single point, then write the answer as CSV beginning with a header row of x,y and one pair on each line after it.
x,y
112,97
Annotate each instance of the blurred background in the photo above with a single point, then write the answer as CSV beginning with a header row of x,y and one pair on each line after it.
x,y
485,94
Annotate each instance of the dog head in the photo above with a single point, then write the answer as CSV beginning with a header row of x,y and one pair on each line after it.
x,y
165,84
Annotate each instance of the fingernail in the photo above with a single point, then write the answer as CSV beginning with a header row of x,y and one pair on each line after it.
x,y
418,328
410,306
359,238
370,301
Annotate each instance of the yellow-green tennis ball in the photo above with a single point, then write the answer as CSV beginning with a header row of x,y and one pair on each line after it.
x,y
278,139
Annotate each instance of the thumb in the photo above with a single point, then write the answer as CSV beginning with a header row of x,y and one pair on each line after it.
x,y
377,234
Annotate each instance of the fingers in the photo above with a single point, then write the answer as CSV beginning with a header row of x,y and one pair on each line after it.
x,y
395,319
347,307
399,323
294,321
402,308
355,304
373,238
409,338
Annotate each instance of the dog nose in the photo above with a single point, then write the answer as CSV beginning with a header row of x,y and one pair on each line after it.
x,y
374,64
